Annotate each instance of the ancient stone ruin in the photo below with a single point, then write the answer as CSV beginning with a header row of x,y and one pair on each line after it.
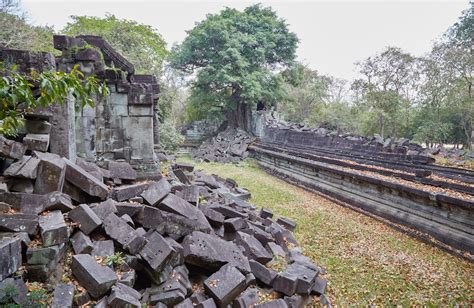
x,y
85,210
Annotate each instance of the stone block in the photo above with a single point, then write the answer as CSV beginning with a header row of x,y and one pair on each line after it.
x,y
235,224
26,167
209,252
95,278
23,202
266,213
262,273
253,249
157,252
53,229
103,248
248,298
228,211
225,285
182,177
276,303
105,208
126,192
215,218
175,204
128,278
128,208
208,303
124,296
156,192
36,142
63,296
10,254
83,180
275,249
19,288
183,166
319,286
121,170
128,220
51,173
81,243
285,283
43,255
297,301
57,200
20,185
19,223
121,232
190,194
86,218
11,149
287,223
187,303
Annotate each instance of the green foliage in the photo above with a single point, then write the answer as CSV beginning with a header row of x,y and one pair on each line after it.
x,y
115,259
19,94
16,33
170,138
141,44
7,294
235,56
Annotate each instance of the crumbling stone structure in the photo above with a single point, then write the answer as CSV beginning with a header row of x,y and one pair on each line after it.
x,y
122,126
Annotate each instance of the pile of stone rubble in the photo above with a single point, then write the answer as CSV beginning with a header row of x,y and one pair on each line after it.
x,y
96,236
229,146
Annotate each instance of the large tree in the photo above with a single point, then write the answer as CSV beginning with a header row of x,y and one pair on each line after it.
x,y
141,44
235,56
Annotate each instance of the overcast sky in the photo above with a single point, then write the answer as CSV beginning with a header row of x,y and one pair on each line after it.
x,y
333,34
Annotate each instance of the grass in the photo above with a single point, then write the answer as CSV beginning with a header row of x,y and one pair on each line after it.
x,y
367,262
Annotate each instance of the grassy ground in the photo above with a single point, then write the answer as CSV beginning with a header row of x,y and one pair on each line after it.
x,y
367,262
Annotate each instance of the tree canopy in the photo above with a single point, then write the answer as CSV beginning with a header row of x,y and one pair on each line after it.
x,y
235,56
141,44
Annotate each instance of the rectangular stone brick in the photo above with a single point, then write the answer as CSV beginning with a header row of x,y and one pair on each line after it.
x,y
36,142
81,243
83,180
121,232
225,285
157,252
126,192
263,273
19,223
95,278
63,296
26,167
10,254
51,173
103,248
53,229
11,149
86,217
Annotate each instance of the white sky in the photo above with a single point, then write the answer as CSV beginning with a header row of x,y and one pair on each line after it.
x,y
333,34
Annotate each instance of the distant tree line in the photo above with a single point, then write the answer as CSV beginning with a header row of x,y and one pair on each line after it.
x,y
429,99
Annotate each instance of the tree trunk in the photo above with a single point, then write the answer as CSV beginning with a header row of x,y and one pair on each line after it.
x,y
240,117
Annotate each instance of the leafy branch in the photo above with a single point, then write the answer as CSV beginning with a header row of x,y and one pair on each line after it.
x,y
21,94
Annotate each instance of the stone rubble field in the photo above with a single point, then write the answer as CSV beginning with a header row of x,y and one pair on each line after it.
x,y
92,234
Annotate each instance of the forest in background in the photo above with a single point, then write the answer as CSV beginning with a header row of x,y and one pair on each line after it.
x,y
428,99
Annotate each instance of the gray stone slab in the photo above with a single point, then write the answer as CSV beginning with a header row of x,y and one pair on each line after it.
x,y
157,252
36,142
275,249
57,200
81,243
190,194
51,173
122,170
19,223
253,249
126,192
182,177
319,286
287,223
103,248
175,204
42,255
95,278
86,218
86,182
228,211
297,301
215,218
235,224
53,229
183,166
128,208
20,185
124,296
128,278
25,203
210,252
266,213
277,303
63,296
26,167
121,232
263,273
10,254
11,149
208,303
248,298
225,285
105,208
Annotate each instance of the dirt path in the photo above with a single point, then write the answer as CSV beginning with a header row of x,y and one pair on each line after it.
x,y
367,261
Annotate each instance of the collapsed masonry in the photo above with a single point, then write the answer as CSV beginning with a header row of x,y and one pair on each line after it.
x,y
122,126
185,240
